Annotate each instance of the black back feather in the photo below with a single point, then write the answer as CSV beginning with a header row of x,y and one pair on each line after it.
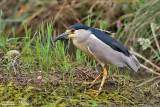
x,y
103,37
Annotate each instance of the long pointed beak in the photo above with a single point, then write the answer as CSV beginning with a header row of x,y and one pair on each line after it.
x,y
61,36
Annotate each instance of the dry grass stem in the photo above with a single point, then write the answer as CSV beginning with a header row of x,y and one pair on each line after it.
x,y
145,82
140,56
154,35
151,70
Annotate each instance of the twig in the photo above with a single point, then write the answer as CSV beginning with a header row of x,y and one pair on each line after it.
x,y
151,70
59,11
140,56
28,21
154,35
73,12
145,82
155,83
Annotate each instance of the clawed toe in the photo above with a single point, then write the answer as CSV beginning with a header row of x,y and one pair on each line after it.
x,y
104,74
93,92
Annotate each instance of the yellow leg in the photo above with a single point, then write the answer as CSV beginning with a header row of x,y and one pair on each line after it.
x,y
94,81
103,80
104,74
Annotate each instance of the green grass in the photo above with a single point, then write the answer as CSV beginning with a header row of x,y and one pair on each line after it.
x,y
39,53
139,23
0,22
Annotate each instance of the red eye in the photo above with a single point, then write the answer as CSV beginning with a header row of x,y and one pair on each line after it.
x,y
72,30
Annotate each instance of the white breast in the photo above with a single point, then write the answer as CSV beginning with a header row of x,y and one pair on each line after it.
x,y
81,46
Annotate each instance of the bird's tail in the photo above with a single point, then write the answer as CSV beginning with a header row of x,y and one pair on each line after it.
x,y
133,63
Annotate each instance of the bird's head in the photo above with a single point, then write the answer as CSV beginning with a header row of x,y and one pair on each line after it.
x,y
73,31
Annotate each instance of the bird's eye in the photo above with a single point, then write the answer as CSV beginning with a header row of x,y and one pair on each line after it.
x,y
72,30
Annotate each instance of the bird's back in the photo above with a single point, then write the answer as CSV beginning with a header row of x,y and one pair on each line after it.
x,y
110,41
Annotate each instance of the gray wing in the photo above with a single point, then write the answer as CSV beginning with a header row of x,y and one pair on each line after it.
x,y
110,41
106,55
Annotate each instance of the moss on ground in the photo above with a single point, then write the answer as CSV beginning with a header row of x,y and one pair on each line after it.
x,y
56,92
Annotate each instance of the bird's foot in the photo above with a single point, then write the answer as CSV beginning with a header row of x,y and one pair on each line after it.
x,y
94,92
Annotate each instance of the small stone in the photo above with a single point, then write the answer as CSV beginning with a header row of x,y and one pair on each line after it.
x,y
39,77
12,53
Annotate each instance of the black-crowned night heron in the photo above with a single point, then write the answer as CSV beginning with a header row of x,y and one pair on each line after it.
x,y
101,47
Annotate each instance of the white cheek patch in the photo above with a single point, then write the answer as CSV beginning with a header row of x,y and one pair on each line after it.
x,y
76,31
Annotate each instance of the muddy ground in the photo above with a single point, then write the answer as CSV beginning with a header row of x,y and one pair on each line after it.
x,y
55,88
